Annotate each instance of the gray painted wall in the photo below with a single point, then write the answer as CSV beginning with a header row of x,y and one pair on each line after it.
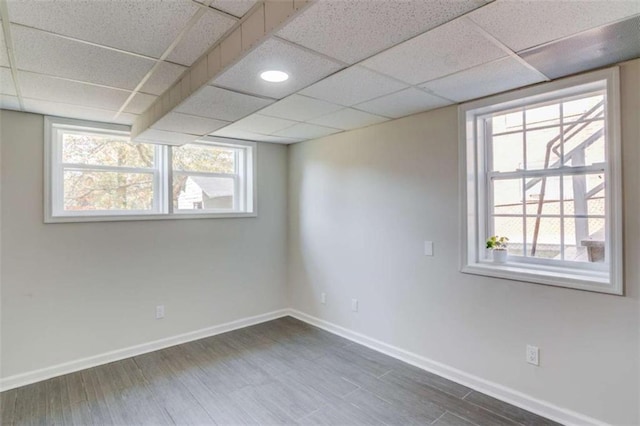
x,y
71,291
362,203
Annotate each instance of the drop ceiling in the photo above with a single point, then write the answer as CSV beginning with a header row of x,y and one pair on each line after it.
x,y
179,69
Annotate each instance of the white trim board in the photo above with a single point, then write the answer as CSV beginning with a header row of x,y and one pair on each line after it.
x,y
30,377
503,393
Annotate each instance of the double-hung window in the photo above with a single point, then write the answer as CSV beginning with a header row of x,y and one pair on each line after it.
x,y
541,167
95,173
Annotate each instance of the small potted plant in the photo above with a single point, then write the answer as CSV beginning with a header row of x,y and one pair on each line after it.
x,y
498,245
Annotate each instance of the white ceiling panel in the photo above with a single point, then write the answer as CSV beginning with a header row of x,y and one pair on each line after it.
x,y
184,123
213,102
483,80
353,30
75,111
299,108
144,27
262,124
9,102
348,118
450,48
4,57
165,138
235,7
6,82
38,86
140,103
162,78
48,54
406,102
528,23
303,67
229,132
207,31
352,86
307,131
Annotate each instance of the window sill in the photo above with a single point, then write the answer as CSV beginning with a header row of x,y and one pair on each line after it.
x,y
553,276
121,218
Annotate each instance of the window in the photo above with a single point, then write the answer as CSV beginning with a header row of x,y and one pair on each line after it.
x,y
94,172
540,167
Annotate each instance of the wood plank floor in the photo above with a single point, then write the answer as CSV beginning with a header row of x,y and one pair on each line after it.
x,y
280,372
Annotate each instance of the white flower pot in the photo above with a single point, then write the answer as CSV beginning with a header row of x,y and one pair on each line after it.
x,y
500,256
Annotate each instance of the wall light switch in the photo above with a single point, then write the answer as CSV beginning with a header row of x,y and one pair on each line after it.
x,y
428,248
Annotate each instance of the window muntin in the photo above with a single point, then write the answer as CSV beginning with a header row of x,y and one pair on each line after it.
x,y
93,172
564,223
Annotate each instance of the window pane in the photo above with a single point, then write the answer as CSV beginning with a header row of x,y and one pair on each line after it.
x,y
543,195
584,144
202,158
584,195
106,150
548,115
512,228
574,250
507,153
98,190
543,237
203,193
576,109
507,196
507,122
543,149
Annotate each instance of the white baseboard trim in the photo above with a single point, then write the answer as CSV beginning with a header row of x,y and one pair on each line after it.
x,y
503,393
23,379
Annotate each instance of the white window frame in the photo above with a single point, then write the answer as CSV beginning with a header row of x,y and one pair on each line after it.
x,y
162,202
474,194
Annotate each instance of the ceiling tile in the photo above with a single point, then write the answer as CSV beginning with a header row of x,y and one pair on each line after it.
x,y
303,67
4,57
164,137
235,7
6,82
400,104
306,131
353,30
590,49
257,123
184,123
207,31
528,23
38,86
162,78
483,80
48,54
142,27
140,103
75,111
348,119
299,108
352,86
9,102
449,48
229,132
213,102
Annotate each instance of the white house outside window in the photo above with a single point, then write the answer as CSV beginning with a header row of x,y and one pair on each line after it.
x,y
541,168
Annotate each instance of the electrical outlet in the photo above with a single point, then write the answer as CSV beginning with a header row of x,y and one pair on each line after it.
x,y
533,355
428,248
159,311
323,298
354,305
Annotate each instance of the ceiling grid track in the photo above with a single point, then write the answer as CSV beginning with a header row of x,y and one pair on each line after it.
x,y
6,29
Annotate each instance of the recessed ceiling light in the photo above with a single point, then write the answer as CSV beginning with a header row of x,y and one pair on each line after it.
x,y
274,76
